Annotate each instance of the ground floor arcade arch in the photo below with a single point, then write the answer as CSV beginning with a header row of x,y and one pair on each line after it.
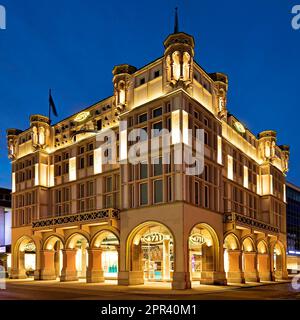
x,y
51,258
278,259
203,252
25,257
150,250
249,260
104,256
263,261
232,259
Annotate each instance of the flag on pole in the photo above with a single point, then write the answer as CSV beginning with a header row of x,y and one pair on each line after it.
x,y
52,105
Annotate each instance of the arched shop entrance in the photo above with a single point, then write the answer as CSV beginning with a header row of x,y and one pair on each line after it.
x,y
26,257
75,258
203,253
263,261
151,250
277,261
52,258
232,259
249,261
108,245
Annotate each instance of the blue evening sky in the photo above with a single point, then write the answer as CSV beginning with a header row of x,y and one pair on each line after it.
x,y
72,46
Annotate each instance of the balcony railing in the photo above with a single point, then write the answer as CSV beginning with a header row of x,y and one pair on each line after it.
x,y
240,219
79,218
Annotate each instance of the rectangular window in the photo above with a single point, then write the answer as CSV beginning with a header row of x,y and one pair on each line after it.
x,y
143,117
57,158
90,188
66,168
197,193
168,107
170,192
131,195
109,201
206,140
206,173
169,124
158,168
81,191
81,205
58,196
143,170
59,210
81,150
67,194
143,193
158,191
91,160
81,163
142,81
108,184
156,74
206,197
91,204
131,169
66,209
157,112
158,127
58,171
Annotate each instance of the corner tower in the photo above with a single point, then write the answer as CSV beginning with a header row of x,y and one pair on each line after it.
x,y
178,59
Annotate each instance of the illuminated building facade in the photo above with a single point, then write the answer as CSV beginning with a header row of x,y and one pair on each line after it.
x,y
75,217
293,227
5,228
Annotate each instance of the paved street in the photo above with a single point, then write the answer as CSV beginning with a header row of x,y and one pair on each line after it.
x,y
44,290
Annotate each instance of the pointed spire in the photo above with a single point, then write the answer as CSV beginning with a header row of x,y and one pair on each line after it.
x,y
176,25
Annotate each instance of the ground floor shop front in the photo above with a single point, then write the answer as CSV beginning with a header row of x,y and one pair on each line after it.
x,y
179,244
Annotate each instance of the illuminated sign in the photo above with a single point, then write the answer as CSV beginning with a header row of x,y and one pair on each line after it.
x,y
239,127
82,116
153,238
197,239
30,247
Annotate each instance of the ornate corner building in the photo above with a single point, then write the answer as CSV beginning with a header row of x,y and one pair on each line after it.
x,y
76,217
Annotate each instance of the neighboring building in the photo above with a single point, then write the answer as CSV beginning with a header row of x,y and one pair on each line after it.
x,y
75,217
5,228
293,227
